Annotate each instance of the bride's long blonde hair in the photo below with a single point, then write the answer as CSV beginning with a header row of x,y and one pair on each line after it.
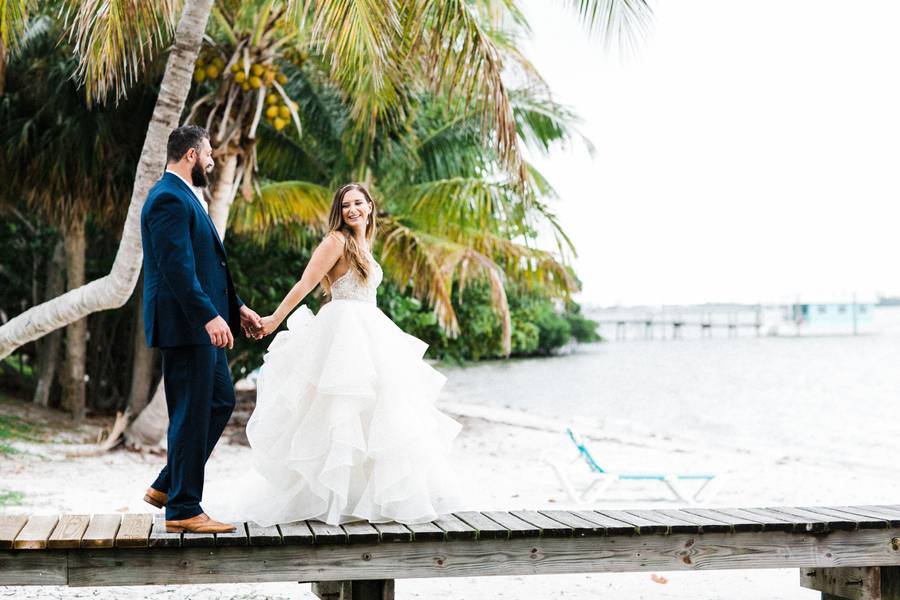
x,y
353,254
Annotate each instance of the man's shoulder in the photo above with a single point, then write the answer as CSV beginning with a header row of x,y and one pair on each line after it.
x,y
164,188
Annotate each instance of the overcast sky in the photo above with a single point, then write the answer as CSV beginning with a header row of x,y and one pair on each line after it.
x,y
748,152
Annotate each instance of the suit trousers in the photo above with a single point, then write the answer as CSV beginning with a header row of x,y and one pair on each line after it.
x,y
200,400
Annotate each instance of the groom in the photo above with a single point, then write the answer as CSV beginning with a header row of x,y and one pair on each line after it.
x,y
192,313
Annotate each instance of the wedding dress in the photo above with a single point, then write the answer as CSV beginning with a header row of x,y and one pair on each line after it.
x,y
345,426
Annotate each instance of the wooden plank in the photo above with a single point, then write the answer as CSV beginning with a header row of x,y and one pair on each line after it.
x,y
134,532
832,523
850,583
394,532
48,567
361,532
238,537
673,523
737,524
861,521
517,528
101,533
10,526
263,536
704,524
607,554
487,528
455,529
324,533
68,531
189,539
871,513
426,532
612,526
36,532
798,524
159,537
818,520
549,527
297,532
644,527
769,522
581,527
888,509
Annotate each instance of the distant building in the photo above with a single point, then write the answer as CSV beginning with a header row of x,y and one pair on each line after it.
x,y
829,317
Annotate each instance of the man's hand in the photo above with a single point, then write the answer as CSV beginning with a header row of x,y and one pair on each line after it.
x,y
219,333
251,323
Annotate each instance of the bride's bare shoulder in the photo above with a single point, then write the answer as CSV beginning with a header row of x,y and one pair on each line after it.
x,y
334,240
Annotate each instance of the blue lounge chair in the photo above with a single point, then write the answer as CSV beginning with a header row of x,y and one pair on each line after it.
x,y
603,479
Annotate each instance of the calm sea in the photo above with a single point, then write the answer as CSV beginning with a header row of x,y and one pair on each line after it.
x,y
830,396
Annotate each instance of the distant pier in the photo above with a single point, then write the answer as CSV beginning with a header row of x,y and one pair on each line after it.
x,y
705,323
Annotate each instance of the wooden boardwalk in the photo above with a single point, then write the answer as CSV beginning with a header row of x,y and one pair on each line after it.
x,y
134,549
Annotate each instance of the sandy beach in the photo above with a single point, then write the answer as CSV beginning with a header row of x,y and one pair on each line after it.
x,y
501,453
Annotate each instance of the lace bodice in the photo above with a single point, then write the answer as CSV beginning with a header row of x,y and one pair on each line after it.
x,y
350,285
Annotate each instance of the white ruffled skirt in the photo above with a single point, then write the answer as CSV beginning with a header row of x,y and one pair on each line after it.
x,y
345,426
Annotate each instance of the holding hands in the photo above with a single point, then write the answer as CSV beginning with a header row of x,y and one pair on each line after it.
x,y
269,325
250,321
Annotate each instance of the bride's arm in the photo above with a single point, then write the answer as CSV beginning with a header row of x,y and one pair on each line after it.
x,y
323,259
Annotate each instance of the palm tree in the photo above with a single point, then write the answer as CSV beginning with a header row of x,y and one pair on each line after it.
x,y
371,49
109,63
78,180
449,214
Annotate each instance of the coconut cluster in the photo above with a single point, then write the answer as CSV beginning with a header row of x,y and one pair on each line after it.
x,y
253,77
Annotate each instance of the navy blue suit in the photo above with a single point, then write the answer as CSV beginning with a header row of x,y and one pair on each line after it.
x,y
187,284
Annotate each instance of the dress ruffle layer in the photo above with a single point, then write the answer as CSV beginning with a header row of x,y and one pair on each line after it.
x,y
345,426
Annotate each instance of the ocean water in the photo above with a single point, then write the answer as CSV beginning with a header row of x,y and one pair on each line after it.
x,y
833,398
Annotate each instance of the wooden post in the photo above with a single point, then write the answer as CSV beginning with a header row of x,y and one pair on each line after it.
x,y
853,583
363,589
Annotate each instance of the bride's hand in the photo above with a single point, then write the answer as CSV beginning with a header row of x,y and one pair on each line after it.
x,y
269,325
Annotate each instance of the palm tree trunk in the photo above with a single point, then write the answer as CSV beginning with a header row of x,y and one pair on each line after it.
x,y
76,333
143,363
151,425
223,193
113,290
48,346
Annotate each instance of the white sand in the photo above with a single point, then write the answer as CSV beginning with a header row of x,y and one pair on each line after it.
x,y
500,453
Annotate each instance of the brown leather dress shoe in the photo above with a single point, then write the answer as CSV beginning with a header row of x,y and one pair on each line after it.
x,y
199,524
156,498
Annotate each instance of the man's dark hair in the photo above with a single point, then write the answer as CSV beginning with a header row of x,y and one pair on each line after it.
x,y
183,139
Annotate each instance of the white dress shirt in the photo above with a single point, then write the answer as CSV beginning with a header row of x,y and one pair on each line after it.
x,y
197,191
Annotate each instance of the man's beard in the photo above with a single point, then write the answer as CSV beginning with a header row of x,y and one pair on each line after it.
x,y
199,176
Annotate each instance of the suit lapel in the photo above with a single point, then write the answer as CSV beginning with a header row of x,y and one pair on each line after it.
x,y
183,186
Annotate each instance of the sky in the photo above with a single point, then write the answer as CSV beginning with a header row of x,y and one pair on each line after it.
x,y
747,151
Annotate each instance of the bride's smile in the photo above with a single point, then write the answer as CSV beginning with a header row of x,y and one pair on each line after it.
x,y
355,209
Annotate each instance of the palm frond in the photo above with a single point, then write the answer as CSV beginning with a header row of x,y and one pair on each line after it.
x,y
541,122
115,40
13,21
463,59
292,205
474,202
430,265
622,22
531,267
360,40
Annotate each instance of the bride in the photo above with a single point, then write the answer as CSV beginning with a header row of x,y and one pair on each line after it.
x,y
345,426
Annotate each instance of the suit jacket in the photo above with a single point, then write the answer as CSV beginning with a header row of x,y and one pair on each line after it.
x,y
186,278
